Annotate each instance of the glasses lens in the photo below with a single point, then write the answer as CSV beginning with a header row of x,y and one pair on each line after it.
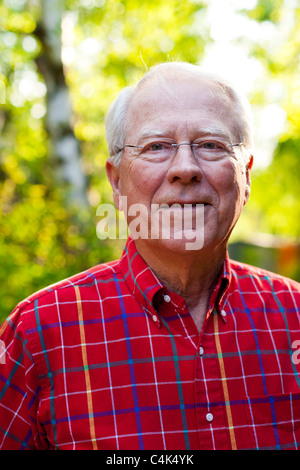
x,y
161,150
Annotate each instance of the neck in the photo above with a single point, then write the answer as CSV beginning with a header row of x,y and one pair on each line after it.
x,y
192,275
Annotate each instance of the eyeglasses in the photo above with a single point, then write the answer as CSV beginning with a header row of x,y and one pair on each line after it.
x,y
210,150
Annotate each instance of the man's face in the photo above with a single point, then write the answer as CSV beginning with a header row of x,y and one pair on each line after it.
x,y
187,111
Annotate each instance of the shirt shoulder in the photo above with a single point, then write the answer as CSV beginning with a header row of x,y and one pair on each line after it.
x,y
248,272
38,316
257,286
43,305
85,278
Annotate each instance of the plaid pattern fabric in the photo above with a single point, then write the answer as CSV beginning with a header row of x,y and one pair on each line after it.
x,y
109,359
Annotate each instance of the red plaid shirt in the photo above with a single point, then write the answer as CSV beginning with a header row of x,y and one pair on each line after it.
x,y
109,359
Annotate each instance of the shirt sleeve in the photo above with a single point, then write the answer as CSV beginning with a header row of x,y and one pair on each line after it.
x,y
19,388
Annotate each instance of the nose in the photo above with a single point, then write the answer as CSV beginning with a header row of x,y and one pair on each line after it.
x,y
184,167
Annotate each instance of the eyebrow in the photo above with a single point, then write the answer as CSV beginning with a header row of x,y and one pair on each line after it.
x,y
210,131
214,131
147,133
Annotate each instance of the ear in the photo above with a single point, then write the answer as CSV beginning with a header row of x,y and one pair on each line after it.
x,y
113,175
248,179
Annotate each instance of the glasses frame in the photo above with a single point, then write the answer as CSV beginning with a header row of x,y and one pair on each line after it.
x,y
175,145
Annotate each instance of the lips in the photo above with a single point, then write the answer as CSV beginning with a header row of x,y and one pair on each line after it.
x,y
185,203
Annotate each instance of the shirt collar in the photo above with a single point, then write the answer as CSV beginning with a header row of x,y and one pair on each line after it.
x,y
218,297
139,277
146,287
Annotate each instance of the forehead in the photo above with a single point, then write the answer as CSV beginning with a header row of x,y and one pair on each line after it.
x,y
174,102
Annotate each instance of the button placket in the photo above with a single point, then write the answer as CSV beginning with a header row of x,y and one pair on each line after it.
x,y
210,414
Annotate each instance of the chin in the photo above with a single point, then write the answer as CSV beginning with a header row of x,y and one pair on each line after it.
x,y
183,245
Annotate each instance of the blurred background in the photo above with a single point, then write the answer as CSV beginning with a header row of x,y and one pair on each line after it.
x,y
62,63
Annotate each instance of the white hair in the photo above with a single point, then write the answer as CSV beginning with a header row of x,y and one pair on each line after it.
x,y
116,118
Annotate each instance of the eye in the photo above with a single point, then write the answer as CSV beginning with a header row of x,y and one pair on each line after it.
x,y
209,145
156,147
213,146
210,150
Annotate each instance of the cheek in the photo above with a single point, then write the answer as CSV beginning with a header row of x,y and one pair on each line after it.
x,y
228,182
222,178
139,182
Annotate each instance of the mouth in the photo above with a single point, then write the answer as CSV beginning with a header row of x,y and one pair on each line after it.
x,y
186,204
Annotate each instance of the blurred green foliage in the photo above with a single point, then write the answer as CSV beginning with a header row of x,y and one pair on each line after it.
x,y
106,45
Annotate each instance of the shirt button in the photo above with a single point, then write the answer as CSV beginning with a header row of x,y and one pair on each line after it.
x,y
167,298
201,351
209,417
154,318
223,313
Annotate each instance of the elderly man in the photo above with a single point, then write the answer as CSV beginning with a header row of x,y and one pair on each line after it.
x,y
169,347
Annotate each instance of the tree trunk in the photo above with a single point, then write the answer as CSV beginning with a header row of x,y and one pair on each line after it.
x,y
65,146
